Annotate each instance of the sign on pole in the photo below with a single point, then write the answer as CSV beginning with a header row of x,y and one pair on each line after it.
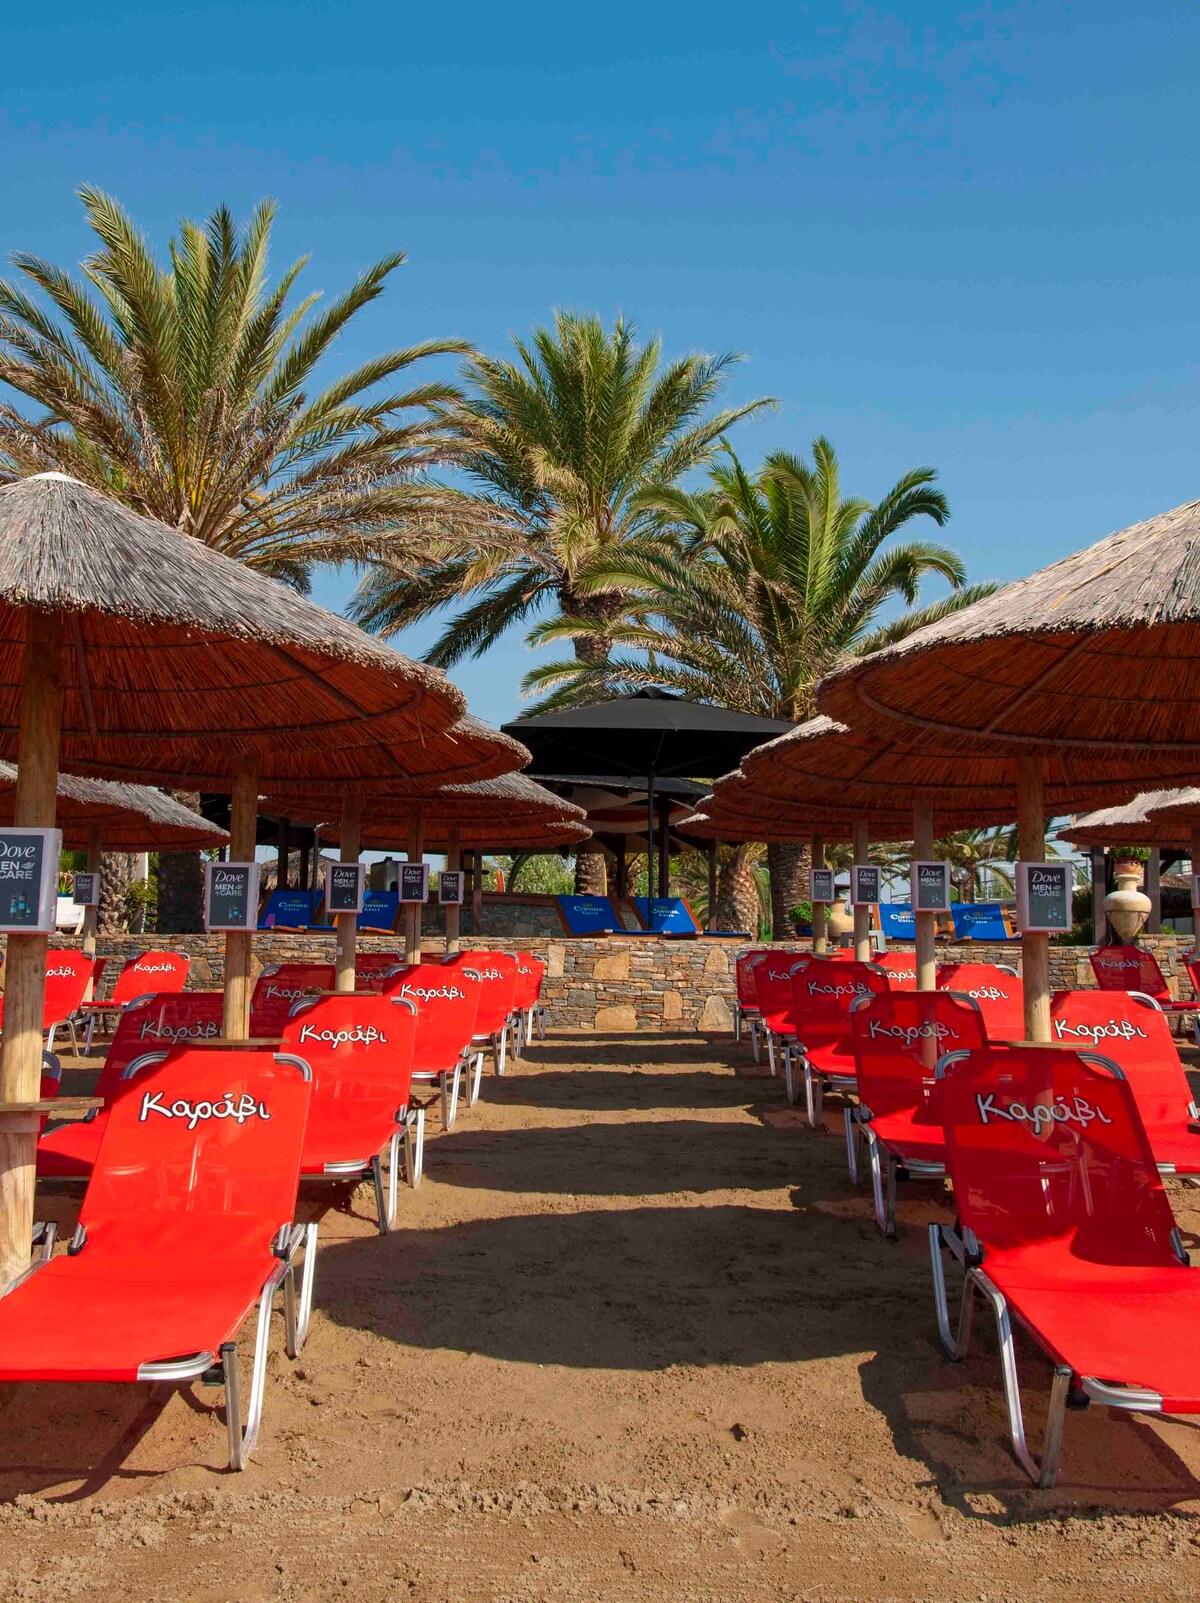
x,y
866,884
344,887
930,887
450,887
230,896
1044,895
414,882
820,885
29,880
85,889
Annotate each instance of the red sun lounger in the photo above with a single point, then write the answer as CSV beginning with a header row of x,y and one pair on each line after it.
x,y
150,974
530,1010
776,1011
1133,1031
68,974
746,1010
823,991
900,968
1133,968
360,1051
996,988
1063,1225
447,1003
279,988
185,1227
497,976
69,1152
897,1041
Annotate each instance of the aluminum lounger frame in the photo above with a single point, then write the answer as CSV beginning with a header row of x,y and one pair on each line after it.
x,y
221,1368
964,1245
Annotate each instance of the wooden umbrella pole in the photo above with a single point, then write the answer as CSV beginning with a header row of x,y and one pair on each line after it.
x,y
862,915
819,939
243,830
1195,856
25,975
91,915
1035,948
477,894
413,910
347,923
712,885
454,866
926,923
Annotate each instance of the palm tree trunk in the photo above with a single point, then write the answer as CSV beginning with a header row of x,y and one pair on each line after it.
x,y
789,864
181,883
116,874
591,876
737,893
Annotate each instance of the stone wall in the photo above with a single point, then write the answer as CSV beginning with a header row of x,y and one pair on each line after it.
x,y
621,984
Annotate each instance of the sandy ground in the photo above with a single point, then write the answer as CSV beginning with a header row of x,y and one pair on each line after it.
x,y
637,1338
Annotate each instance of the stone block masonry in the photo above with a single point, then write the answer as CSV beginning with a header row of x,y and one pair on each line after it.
x,y
610,986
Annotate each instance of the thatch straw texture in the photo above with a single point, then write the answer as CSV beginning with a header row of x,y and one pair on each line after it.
x,y
737,810
1184,807
128,818
510,810
825,765
1099,651
179,659
480,753
1148,820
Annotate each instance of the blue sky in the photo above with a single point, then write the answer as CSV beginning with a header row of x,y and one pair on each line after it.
x,y
963,236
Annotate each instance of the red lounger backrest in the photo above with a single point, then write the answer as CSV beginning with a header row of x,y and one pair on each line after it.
x,y
823,991
773,987
497,976
1137,1036
1045,1145
209,1133
744,974
531,971
67,976
447,1003
900,968
1000,996
280,988
153,973
360,1050
159,1021
898,1040
1129,968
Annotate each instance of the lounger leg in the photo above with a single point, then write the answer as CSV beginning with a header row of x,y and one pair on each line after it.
x,y
814,1095
1040,1474
771,1051
851,1124
50,1034
241,1442
883,1184
476,1080
500,1050
737,1022
455,1087
791,1078
755,1045
381,1201
91,1030
414,1148
297,1311
444,1089
954,1347
74,1037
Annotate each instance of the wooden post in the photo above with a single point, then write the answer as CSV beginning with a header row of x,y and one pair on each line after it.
x,y
414,910
926,923
622,869
1195,869
1035,948
34,807
91,915
1099,916
1154,891
477,894
347,923
283,854
243,830
454,864
304,862
819,939
862,915
712,885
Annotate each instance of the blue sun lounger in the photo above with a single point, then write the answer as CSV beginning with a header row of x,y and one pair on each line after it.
x,y
380,911
671,915
897,922
591,915
290,910
980,921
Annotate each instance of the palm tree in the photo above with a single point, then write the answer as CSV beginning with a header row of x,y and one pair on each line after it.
x,y
744,593
562,444
186,391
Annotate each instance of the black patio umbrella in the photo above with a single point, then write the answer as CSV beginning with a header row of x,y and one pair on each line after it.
x,y
649,736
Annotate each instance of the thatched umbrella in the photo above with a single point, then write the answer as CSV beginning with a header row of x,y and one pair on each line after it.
x,y
510,811
828,765
129,649
1148,820
1097,654
96,815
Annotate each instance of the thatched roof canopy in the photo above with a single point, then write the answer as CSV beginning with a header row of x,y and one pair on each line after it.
x,y
824,765
1184,807
179,659
127,818
1148,820
1100,651
508,810
737,810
